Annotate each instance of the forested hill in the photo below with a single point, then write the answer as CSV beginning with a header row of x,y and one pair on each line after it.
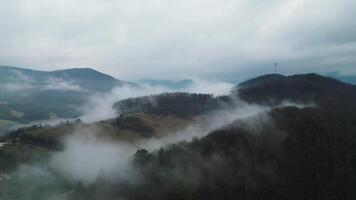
x,y
272,90
310,154
180,104
306,88
304,153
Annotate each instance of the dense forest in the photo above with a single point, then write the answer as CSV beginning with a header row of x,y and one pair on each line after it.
x,y
308,154
183,105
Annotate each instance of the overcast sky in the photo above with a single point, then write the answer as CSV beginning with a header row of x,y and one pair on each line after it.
x,y
216,39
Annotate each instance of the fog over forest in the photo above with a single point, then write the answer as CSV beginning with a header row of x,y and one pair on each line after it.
x,y
177,100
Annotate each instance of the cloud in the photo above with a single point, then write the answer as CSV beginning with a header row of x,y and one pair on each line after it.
x,y
50,84
100,106
88,155
86,158
59,84
230,39
18,82
298,105
252,115
17,87
216,88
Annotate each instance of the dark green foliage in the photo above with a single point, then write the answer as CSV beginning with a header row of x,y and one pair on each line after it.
x,y
7,162
44,142
178,104
319,152
308,88
24,136
133,123
19,132
307,157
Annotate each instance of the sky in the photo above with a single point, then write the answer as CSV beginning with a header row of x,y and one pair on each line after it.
x,y
175,39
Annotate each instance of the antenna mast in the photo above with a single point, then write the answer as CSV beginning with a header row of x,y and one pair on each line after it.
x,y
275,67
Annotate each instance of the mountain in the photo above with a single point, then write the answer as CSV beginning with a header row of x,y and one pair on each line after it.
x,y
351,79
75,79
28,95
302,145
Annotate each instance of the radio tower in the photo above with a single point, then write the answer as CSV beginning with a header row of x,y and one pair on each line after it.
x,y
275,67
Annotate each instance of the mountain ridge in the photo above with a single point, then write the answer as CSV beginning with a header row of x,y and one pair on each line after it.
x,y
30,95
65,73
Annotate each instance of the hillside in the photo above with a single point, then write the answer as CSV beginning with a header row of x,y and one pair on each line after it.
x,y
306,156
307,153
28,95
305,88
35,142
179,104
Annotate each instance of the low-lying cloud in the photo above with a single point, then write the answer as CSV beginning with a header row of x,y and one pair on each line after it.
x,y
87,157
251,113
100,106
61,85
20,82
214,87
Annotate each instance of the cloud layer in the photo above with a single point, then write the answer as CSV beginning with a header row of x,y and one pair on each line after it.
x,y
100,106
174,39
18,82
87,157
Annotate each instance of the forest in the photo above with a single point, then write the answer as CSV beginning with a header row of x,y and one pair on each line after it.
x,y
308,154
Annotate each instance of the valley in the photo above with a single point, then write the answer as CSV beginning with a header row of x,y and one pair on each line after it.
x,y
273,131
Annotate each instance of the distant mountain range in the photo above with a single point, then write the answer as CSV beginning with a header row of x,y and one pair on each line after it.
x,y
28,95
68,79
344,78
